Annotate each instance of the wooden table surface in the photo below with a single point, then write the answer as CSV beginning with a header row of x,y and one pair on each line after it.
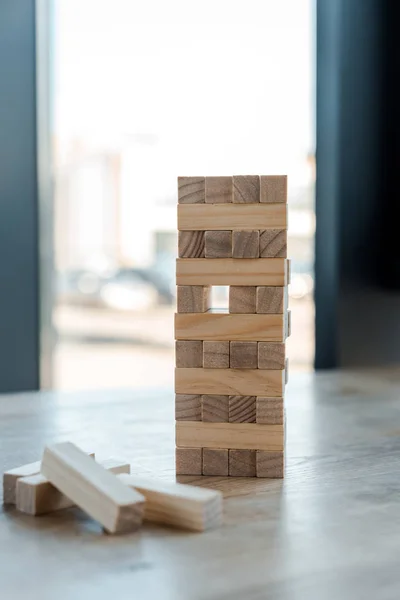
x,y
330,530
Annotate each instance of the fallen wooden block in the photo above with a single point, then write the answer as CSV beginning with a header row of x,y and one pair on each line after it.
x,y
183,506
35,495
99,493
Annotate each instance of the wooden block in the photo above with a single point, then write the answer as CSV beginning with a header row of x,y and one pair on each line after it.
x,y
271,355
92,488
218,244
270,464
273,243
189,353
11,477
191,244
193,298
243,355
289,323
187,407
215,408
287,371
35,495
219,190
234,217
289,271
188,461
245,244
191,190
273,188
215,462
239,436
242,409
246,189
242,463
223,327
242,299
270,300
269,411
231,271
215,355
183,506
235,382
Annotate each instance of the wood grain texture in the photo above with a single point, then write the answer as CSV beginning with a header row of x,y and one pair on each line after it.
x,y
214,408
269,411
223,327
219,190
273,243
234,217
235,382
187,407
218,244
245,244
273,188
183,506
188,461
191,244
246,189
270,300
242,463
189,354
243,355
215,355
270,464
242,299
242,409
271,355
191,190
193,298
92,488
231,271
238,436
215,462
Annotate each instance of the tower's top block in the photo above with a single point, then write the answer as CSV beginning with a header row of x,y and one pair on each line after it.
x,y
239,189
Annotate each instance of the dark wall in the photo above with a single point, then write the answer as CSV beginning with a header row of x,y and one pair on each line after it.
x,y
19,334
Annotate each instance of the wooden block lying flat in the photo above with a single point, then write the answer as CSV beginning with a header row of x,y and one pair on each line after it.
x,y
242,409
215,355
243,355
239,436
11,477
242,463
242,299
273,243
187,407
231,271
207,217
191,190
270,300
183,506
218,244
219,190
188,461
246,189
273,188
191,244
246,244
35,495
235,382
270,464
223,327
92,488
215,462
193,298
189,353
271,355
269,411
215,408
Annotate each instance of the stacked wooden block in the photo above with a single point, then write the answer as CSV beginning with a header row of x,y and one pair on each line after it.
x,y
231,366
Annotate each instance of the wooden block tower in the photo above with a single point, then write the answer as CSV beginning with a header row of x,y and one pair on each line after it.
x,y
231,365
